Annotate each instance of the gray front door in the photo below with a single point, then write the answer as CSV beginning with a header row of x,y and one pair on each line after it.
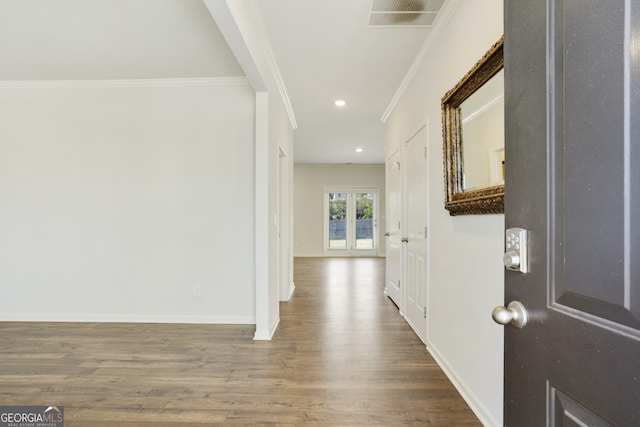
x,y
572,93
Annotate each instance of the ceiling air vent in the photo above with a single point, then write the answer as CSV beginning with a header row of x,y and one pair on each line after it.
x,y
404,13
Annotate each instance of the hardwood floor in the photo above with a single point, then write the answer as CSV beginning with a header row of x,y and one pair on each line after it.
x,y
342,356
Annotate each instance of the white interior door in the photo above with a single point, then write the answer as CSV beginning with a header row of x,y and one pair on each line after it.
x,y
415,174
282,221
394,231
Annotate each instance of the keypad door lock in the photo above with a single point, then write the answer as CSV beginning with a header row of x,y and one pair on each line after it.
x,y
516,256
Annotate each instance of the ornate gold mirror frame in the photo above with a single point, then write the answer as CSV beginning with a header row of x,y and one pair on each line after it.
x,y
488,200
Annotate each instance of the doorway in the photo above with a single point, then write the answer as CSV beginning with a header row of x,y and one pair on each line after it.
x,y
350,221
407,245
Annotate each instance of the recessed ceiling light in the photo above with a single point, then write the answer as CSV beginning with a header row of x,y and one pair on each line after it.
x,y
358,150
340,103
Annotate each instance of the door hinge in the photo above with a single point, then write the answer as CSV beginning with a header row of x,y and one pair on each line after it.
x,y
398,284
425,152
425,231
425,312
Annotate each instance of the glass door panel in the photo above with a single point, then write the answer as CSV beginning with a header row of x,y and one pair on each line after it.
x,y
365,225
350,221
337,220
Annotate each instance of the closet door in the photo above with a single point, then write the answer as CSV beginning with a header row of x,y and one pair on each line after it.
x,y
393,233
415,241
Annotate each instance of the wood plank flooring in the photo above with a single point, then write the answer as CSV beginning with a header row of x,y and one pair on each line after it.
x,y
342,356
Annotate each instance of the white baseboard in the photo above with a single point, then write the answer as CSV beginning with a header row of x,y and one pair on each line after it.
x,y
472,400
292,288
267,335
415,329
129,318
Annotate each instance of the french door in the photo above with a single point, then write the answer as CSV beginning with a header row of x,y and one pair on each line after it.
x,y
350,221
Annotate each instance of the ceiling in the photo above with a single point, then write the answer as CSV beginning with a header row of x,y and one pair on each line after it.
x,y
325,50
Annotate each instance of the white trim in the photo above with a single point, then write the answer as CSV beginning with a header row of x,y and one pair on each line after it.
x,y
273,67
261,219
283,226
483,414
267,335
482,109
128,318
128,83
244,32
231,18
416,330
444,17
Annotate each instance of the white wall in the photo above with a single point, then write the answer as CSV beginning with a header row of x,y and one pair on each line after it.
x,y
242,28
466,275
309,182
117,198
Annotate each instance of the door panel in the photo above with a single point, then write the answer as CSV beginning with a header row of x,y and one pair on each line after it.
x,y
591,160
338,219
569,413
394,214
416,225
365,229
572,179
416,301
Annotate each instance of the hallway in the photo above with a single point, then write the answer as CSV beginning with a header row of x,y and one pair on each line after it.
x,y
372,366
342,357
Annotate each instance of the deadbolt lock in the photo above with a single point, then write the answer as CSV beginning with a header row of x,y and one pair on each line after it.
x,y
516,256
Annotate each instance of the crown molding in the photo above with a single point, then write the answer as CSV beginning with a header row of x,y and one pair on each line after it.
x,y
125,83
273,67
444,17
241,25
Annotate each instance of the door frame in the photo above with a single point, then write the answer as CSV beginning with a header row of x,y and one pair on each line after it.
x,y
284,251
394,234
350,250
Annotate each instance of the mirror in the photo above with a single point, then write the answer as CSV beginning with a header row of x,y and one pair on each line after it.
x,y
473,112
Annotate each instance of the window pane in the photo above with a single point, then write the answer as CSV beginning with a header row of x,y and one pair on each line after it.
x,y
364,221
338,220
